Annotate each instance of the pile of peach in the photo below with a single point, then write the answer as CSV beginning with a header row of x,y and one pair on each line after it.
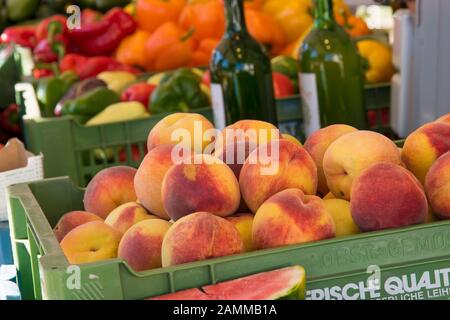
x,y
168,213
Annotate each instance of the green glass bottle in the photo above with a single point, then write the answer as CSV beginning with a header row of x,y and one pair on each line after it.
x,y
331,78
241,74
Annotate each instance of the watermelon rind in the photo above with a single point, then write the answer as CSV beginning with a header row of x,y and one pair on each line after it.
x,y
293,292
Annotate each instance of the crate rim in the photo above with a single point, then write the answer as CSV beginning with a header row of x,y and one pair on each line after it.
x,y
52,248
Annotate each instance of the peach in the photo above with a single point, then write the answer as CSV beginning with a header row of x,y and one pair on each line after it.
x,y
291,138
444,118
318,143
149,178
234,155
125,216
387,195
243,223
340,211
141,245
187,129
291,217
329,196
91,242
254,132
437,186
292,168
71,220
424,146
109,189
350,154
200,236
204,183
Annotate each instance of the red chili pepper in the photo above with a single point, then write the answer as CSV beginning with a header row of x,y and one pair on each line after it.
x,y
139,92
42,73
22,35
103,37
9,120
43,27
283,86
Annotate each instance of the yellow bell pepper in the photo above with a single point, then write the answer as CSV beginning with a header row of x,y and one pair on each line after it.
x,y
379,58
117,80
294,16
118,112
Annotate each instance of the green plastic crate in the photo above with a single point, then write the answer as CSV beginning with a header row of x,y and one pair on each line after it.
x,y
336,265
77,151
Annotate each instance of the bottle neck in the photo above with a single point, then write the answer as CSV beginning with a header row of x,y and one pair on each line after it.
x,y
323,13
234,11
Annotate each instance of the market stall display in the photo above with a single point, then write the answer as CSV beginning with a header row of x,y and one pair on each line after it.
x,y
214,149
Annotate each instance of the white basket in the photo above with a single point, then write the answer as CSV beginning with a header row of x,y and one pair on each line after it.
x,y
32,172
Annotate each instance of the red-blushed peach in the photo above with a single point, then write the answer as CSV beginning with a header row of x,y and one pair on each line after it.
x,y
329,196
141,245
91,242
437,186
200,236
342,216
254,132
291,138
187,129
318,143
204,184
265,173
291,217
126,215
243,223
109,189
149,178
385,196
350,154
71,220
234,155
424,146
444,118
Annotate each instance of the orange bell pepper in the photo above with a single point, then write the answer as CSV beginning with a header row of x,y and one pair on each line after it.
x,y
253,4
207,18
202,54
264,28
150,14
169,47
355,26
131,50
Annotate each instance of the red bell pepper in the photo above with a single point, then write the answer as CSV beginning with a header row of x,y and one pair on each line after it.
x,y
87,67
42,73
55,45
22,35
282,85
9,120
140,92
103,37
44,26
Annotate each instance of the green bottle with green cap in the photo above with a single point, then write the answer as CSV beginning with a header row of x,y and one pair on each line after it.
x,y
241,74
331,76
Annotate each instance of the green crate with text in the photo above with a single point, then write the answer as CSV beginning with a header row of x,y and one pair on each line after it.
x,y
404,263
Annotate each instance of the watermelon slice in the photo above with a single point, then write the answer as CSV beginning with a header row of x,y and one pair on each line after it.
x,y
286,283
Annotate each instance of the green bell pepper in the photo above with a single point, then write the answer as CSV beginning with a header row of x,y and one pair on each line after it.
x,y
51,89
20,10
90,104
102,5
179,91
289,67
